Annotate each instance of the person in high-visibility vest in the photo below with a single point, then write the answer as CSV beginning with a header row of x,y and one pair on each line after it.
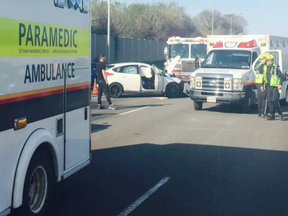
x,y
272,80
261,94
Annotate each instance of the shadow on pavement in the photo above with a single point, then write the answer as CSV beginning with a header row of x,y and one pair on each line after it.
x,y
96,116
141,106
205,180
230,108
99,127
234,108
141,95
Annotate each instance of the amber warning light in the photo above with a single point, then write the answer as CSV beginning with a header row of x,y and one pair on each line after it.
x,y
20,123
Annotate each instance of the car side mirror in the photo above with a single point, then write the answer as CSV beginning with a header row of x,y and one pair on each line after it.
x,y
198,63
166,53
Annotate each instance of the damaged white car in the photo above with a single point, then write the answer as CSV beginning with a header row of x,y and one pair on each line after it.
x,y
135,77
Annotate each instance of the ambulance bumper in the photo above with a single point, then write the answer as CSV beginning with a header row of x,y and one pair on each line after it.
x,y
216,97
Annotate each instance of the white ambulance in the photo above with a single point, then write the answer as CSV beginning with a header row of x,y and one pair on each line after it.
x,y
45,78
227,75
188,52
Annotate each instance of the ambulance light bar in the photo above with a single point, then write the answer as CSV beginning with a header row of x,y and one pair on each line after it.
x,y
249,44
218,45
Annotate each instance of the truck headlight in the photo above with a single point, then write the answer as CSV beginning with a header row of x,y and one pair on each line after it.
x,y
192,82
237,85
198,83
228,84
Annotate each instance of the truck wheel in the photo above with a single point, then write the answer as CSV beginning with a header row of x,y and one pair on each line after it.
x,y
198,105
246,103
173,90
38,185
284,102
115,90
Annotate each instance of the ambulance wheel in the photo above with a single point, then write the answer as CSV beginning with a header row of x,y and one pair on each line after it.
x,y
173,90
38,185
115,90
198,105
284,102
246,103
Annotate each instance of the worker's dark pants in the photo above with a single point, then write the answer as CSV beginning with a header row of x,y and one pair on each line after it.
x,y
273,100
261,99
103,87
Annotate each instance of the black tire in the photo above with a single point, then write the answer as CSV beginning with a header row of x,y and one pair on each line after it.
x,y
198,105
284,102
173,90
40,171
246,103
115,90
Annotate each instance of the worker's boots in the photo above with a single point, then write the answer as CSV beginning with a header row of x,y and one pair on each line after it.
x,y
272,117
281,116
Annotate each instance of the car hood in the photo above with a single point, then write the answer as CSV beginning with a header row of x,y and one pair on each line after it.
x,y
172,64
172,79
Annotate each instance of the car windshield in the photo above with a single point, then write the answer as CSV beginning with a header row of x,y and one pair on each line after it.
x,y
179,49
199,50
232,59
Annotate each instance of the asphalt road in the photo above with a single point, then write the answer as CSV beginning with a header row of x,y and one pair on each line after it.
x,y
158,157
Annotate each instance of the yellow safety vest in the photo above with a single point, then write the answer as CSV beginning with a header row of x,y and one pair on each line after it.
x,y
258,76
275,79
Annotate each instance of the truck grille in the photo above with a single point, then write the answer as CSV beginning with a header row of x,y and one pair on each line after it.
x,y
188,66
212,83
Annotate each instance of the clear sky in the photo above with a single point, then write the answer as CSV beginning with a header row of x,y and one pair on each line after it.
x,y
264,17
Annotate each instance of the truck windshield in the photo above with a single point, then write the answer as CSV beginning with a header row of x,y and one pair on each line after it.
x,y
199,50
233,59
179,49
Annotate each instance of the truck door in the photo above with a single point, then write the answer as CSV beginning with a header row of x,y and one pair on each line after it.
x,y
277,59
76,118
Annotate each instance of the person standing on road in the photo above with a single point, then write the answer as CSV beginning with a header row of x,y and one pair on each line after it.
x,y
273,81
103,83
261,94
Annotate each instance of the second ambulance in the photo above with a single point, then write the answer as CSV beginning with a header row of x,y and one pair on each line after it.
x,y
227,74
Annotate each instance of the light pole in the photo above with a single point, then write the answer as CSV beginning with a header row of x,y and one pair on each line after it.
x,y
231,25
108,33
212,27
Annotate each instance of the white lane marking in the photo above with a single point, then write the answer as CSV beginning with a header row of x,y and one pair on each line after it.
x,y
141,199
160,98
131,111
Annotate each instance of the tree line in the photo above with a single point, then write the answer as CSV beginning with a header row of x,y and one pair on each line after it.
x,y
161,20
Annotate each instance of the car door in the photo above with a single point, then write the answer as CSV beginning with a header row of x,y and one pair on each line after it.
x,y
130,78
159,81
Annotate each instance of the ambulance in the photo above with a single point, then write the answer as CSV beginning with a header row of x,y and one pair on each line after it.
x,y
227,75
187,52
45,83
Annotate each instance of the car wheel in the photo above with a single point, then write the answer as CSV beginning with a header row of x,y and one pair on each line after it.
x,y
172,90
115,90
198,105
38,186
